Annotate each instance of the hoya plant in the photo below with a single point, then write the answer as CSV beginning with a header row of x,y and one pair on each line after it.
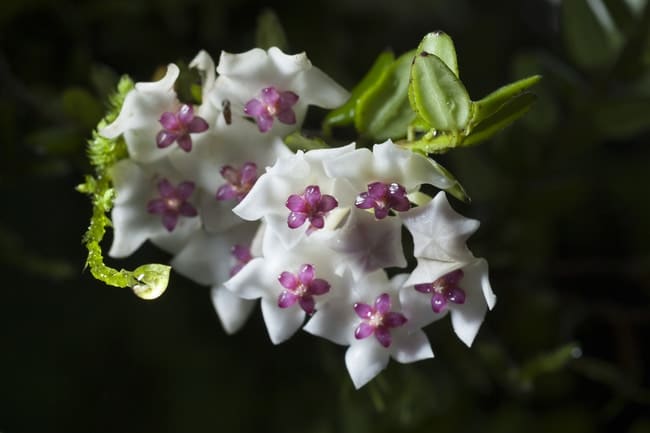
x,y
219,174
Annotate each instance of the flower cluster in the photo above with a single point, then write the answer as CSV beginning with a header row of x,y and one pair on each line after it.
x,y
310,234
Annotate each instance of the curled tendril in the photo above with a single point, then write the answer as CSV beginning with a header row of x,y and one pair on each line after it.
x,y
147,281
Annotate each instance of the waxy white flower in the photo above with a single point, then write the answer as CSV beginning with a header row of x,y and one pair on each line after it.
x,y
211,259
448,277
365,244
384,177
370,320
274,88
154,123
292,283
226,163
152,202
296,198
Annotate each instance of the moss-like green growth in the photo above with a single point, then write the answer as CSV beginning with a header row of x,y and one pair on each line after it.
x,y
148,281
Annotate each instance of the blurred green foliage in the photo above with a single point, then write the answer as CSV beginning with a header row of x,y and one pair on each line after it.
x,y
561,195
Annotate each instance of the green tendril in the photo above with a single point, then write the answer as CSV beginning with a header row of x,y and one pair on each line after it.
x,y
147,281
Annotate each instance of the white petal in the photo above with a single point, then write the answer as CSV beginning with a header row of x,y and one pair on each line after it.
x,y
416,307
258,239
135,185
391,162
317,88
216,215
132,224
252,280
232,310
267,197
131,228
408,347
479,270
373,284
224,144
427,271
335,321
439,232
288,64
318,157
243,63
119,125
281,323
387,163
139,115
467,318
165,84
419,169
365,359
398,281
292,166
356,166
366,244
175,241
204,63
207,257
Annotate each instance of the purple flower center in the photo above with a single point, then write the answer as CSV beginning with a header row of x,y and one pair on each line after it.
x,y
172,203
242,255
272,103
239,181
310,205
178,126
378,320
382,197
301,288
445,289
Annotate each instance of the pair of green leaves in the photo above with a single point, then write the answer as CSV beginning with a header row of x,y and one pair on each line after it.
x,y
420,96
378,106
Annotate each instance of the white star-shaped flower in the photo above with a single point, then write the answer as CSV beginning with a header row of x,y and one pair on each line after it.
x,y
370,320
155,124
296,198
152,202
365,244
274,88
211,259
227,162
448,277
291,283
439,232
387,162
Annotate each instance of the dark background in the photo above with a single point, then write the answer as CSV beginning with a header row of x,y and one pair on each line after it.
x,y
562,196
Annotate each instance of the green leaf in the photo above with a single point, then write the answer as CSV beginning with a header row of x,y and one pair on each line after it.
x,y
152,280
437,95
591,35
511,111
345,114
493,102
441,45
188,85
383,111
296,141
269,32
